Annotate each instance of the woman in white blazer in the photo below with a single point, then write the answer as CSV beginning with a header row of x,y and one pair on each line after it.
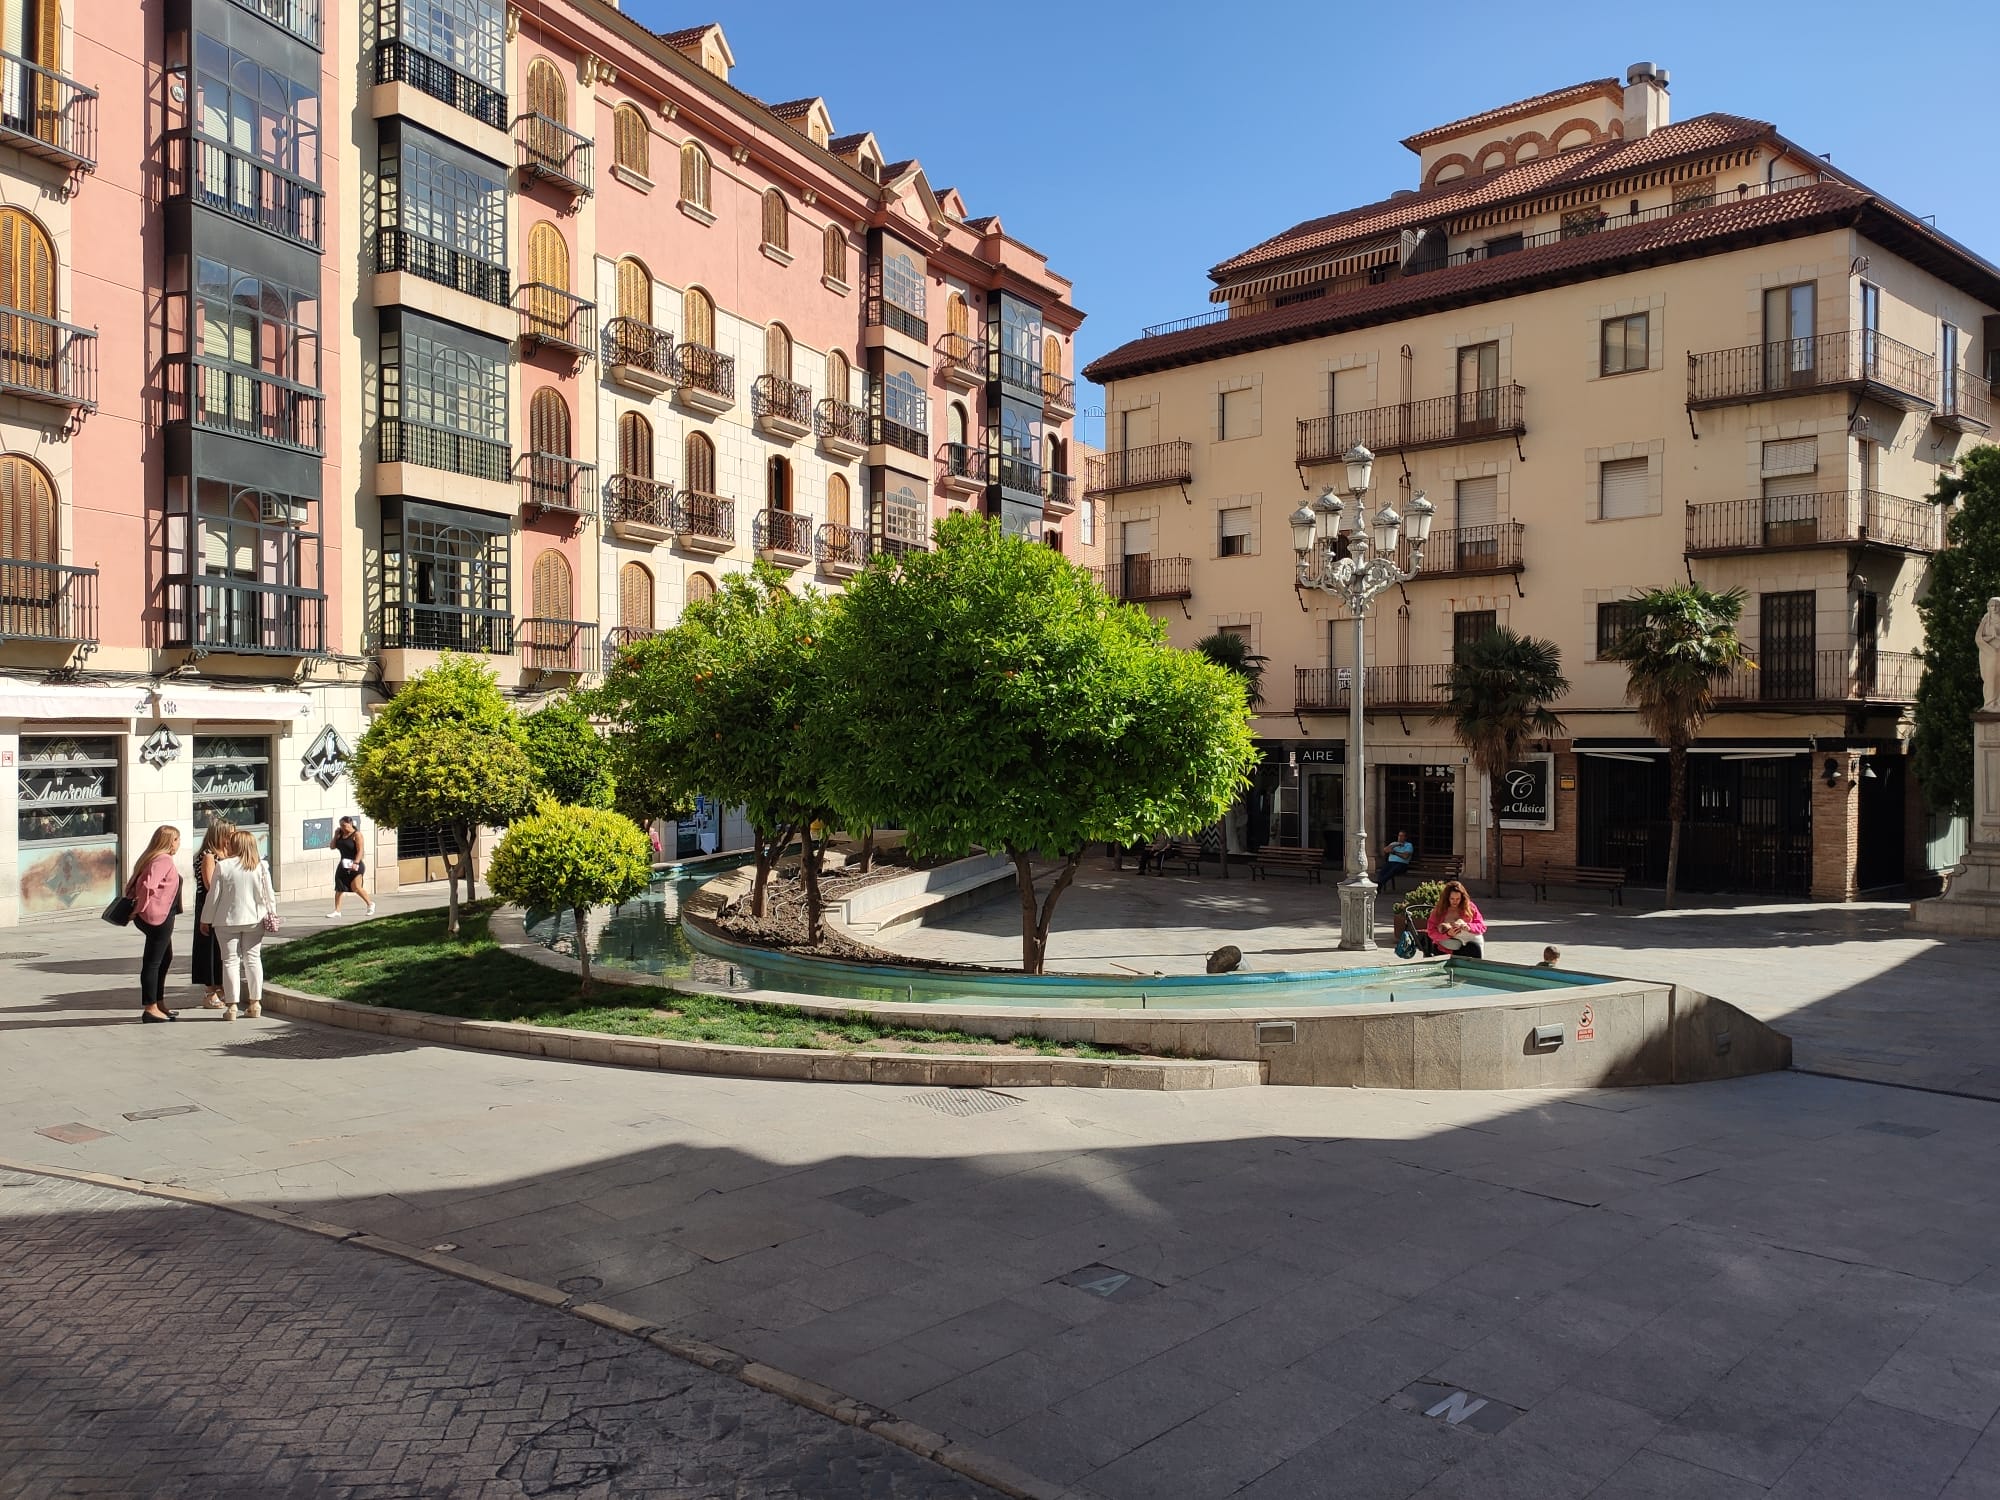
x,y
242,908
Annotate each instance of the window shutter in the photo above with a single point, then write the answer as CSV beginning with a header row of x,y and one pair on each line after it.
x,y
1236,521
1791,456
838,382
1789,484
697,319
1479,499
635,291
27,512
550,592
778,352
1622,490
548,423
835,259
699,587
1137,537
957,317
546,96
635,597
837,500
700,464
635,446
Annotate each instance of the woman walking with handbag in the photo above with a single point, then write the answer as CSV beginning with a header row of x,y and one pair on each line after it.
x,y
215,847
348,873
155,893
245,909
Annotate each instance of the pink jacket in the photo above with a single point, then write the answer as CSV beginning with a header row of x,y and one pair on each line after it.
x,y
1435,925
153,890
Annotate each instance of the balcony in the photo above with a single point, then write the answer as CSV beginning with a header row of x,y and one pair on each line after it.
x,y
842,550
44,601
556,484
1807,678
1022,371
1869,364
548,151
444,627
419,255
783,537
842,427
299,17
1148,580
888,432
1441,421
706,379
1468,551
961,470
896,529
639,509
1017,472
220,614
1150,467
553,318
1965,404
619,637
1058,396
783,408
223,179
960,360
46,115
44,360
1778,523
559,647
1324,690
399,62
403,441
265,408
639,356
703,522
882,313
1059,494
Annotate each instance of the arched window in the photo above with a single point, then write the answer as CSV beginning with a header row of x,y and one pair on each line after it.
x,y
1057,451
549,592
700,588
635,290
1052,375
700,465
838,501
838,379
903,401
957,316
777,220
635,445
27,265
694,175
27,522
778,483
834,259
546,95
697,318
956,424
778,352
547,302
903,284
548,422
635,597
631,142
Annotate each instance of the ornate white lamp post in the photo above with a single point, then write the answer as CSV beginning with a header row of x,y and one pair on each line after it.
x,y
1356,580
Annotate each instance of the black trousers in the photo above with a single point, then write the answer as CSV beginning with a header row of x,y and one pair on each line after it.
x,y
155,962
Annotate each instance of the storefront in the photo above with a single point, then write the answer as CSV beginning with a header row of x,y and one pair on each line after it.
x,y
1298,798
232,783
67,855
1749,817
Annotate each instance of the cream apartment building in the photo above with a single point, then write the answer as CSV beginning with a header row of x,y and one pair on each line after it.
x,y
1615,352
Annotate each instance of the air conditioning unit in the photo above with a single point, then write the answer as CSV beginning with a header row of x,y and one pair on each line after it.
x,y
281,510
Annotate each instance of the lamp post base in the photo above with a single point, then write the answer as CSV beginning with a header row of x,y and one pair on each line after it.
x,y
1357,914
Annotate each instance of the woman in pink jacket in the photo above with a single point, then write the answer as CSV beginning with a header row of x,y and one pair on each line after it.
x,y
1455,926
155,889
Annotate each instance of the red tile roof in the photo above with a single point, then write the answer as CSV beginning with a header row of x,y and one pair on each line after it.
x,y
1702,134
1519,109
792,109
840,145
687,36
1781,215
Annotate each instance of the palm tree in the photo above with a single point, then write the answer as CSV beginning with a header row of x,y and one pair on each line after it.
x,y
1228,649
1500,688
1677,642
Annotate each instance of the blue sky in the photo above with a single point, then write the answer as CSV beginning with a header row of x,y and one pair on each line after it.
x,y
1138,144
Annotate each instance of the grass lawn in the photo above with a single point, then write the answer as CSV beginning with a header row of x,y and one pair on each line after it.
x,y
407,961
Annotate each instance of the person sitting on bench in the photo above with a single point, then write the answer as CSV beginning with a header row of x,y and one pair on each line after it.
x,y
1396,858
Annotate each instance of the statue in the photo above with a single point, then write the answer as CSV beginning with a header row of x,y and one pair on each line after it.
x,y
1989,656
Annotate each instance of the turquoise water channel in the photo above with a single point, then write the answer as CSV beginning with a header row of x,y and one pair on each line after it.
x,y
646,935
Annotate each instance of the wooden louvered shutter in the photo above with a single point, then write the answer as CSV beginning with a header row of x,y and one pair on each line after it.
x,y
546,95
700,464
699,587
635,291
27,512
778,352
635,597
48,52
548,277
548,423
28,283
837,376
698,319
550,591
777,227
834,261
837,506
635,446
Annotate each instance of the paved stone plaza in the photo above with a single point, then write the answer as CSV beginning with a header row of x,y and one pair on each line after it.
x,y
1787,1285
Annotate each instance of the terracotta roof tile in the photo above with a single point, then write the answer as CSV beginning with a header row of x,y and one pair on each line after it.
x,y
687,36
1482,280
1571,168
840,145
1519,109
792,109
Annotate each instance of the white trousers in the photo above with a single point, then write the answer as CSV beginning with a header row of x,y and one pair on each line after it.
x,y
242,963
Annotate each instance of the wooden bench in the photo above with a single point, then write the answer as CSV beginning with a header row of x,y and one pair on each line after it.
x,y
1579,877
1428,867
1188,854
1310,863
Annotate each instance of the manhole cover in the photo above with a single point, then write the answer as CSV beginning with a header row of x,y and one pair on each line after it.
x,y
964,1102
578,1285
307,1044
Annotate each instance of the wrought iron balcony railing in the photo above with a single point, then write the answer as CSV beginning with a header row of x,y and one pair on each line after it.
x,y
841,422
960,358
1802,676
1465,551
551,645
839,546
45,601
245,403
887,430
554,318
1021,370
233,615
45,360
882,313
1139,580
1840,518
1061,492
618,637
557,482
403,441
697,513
1855,359
1139,468
299,17
47,115
1470,416
1016,471
399,62
405,250
639,500
627,341
228,180
700,368
1964,403
551,152
959,461
443,627
787,401
1326,689
783,531
1058,394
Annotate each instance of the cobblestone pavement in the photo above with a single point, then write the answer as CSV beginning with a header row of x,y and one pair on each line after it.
x,y
161,1350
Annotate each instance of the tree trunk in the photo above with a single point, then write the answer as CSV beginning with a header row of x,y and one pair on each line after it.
x,y
454,868
768,852
1036,918
867,852
811,851
582,949
1677,779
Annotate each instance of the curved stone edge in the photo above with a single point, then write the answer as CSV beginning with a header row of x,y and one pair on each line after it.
x,y
996,1473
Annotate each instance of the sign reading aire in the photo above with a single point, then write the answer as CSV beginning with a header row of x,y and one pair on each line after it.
x,y
1527,793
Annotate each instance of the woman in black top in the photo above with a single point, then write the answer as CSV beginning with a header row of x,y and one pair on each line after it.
x,y
347,874
207,950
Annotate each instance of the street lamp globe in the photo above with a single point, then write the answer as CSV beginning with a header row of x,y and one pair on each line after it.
x,y
1303,523
1422,513
1387,525
1360,468
1328,509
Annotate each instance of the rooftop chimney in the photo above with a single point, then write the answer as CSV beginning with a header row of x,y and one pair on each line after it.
x,y
1646,102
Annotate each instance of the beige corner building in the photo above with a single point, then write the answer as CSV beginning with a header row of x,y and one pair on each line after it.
x,y
1615,352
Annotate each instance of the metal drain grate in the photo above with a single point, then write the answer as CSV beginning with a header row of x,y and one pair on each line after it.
x,y
965,1102
302,1043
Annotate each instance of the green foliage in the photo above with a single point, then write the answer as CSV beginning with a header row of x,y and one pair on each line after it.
x,y
1417,905
563,858
445,752
1499,692
1963,577
571,759
1226,648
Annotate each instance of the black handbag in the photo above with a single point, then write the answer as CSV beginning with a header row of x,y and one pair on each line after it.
x,y
119,912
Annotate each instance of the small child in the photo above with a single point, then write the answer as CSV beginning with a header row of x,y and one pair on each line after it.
x,y
1551,956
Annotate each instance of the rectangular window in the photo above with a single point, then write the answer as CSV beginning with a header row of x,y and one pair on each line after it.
x,y
449,202
467,36
1786,646
1233,417
1235,539
232,783
1478,388
1470,625
251,363
1871,326
1791,353
1020,343
67,823
1792,504
1477,540
244,570
253,151
447,580
1948,366
1623,348
1505,244
1624,490
444,399
1347,391
1613,620
1086,523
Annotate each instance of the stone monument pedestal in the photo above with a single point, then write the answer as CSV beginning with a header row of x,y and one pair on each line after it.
x,y
1970,905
